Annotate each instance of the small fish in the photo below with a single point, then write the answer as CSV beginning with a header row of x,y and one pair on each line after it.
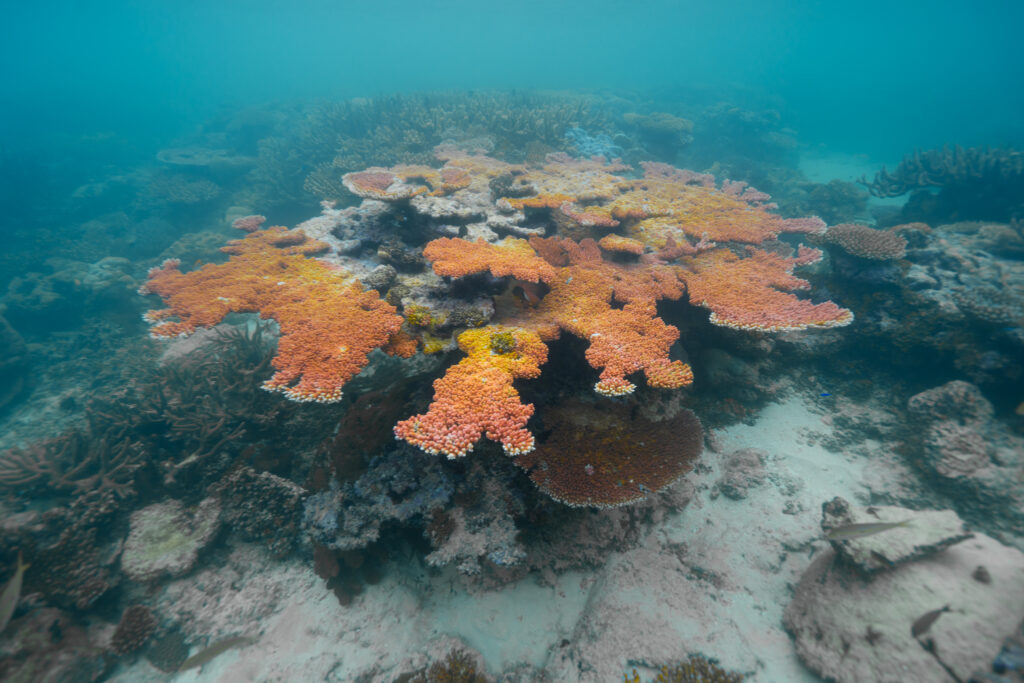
x,y
925,621
12,592
848,532
824,394
204,656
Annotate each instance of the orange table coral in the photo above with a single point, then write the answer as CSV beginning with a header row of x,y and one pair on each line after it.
x,y
456,257
744,293
328,322
475,398
582,288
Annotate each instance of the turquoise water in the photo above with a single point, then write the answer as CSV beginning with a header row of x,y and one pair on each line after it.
x,y
869,77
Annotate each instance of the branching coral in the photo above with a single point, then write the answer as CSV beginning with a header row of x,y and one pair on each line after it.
x,y
947,166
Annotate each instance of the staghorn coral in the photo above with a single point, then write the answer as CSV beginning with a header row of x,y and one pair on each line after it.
x,y
328,322
976,184
946,166
76,462
865,242
609,457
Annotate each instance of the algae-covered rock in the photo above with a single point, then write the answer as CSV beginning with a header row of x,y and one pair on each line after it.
x,y
165,538
930,621
920,533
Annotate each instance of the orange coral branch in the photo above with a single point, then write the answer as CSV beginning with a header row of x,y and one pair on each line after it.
x,y
743,293
476,398
456,257
328,322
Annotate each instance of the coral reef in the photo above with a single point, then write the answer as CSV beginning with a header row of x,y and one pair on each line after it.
x,y
675,233
949,303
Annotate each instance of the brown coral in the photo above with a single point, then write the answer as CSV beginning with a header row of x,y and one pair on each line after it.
x,y
136,626
609,457
865,242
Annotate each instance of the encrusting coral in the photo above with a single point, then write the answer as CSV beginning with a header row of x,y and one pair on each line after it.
x,y
591,457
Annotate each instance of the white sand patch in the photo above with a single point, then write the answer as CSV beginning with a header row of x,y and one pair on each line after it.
x,y
821,166
716,578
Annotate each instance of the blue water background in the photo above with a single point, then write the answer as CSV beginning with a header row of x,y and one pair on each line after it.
x,y
878,78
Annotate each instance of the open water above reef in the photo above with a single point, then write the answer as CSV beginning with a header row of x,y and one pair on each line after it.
x,y
698,429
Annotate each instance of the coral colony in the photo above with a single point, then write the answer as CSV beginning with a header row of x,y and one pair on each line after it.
x,y
591,246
